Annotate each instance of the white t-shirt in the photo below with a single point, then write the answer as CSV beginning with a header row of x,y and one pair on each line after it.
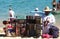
x,y
36,14
50,18
11,13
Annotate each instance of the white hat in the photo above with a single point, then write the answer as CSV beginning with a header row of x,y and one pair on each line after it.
x,y
47,9
36,9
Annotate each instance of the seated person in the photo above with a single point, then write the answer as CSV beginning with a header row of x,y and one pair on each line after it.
x,y
45,30
10,28
49,31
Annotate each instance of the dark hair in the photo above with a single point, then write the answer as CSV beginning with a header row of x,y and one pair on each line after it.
x,y
54,0
4,22
36,10
46,21
9,22
50,31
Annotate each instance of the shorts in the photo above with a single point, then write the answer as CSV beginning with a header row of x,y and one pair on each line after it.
x,y
11,19
10,30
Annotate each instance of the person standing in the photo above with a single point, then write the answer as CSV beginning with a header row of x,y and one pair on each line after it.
x,y
36,12
11,14
54,5
58,5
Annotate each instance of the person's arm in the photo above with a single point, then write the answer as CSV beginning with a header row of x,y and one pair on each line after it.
x,y
10,14
52,21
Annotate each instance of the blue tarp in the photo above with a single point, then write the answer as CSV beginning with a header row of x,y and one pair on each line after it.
x,y
38,12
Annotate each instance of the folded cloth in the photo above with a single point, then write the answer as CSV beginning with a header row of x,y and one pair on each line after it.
x,y
47,36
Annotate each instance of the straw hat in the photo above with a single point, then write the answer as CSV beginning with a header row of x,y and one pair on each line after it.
x,y
36,9
47,9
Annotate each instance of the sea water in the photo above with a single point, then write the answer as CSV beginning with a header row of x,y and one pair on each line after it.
x,y
23,7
